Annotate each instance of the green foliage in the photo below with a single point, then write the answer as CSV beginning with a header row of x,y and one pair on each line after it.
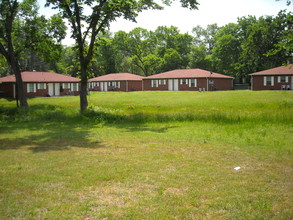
x,y
236,49
34,37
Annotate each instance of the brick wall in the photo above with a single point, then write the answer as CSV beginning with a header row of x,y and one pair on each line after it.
x,y
258,83
6,89
219,84
125,86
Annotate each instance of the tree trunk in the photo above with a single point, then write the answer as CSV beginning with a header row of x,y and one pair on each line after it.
x,y
20,92
83,89
83,96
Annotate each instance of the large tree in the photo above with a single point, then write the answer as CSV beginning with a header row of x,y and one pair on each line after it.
x,y
23,34
88,18
9,9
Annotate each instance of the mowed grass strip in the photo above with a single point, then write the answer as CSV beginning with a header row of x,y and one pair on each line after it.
x,y
153,155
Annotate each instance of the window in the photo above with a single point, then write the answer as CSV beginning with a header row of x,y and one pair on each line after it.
x,y
154,83
41,85
162,82
117,84
268,81
192,83
66,85
283,79
74,86
31,87
184,81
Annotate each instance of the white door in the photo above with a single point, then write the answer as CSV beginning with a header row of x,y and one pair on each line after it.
x,y
291,82
102,86
170,84
51,89
176,83
57,89
105,87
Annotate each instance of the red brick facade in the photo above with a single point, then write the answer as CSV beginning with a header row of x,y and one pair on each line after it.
x,y
56,89
200,84
118,86
258,82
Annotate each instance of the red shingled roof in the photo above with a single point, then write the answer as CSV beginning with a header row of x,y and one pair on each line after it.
x,y
281,70
117,77
40,77
188,73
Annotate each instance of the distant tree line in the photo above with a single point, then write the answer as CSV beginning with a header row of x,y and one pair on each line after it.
x,y
247,46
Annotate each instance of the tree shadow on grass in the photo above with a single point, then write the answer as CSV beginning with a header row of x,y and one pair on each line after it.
x,y
45,128
54,136
53,128
145,128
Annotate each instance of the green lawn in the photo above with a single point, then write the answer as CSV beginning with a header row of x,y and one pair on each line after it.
x,y
149,155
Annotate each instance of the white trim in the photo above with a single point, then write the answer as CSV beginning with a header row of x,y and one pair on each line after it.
x,y
14,91
39,85
28,87
273,79
264,80
154,83
195,82
185,80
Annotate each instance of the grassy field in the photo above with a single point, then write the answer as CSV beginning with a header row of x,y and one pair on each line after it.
x,y
149,155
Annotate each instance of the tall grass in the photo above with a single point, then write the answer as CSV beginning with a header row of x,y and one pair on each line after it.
x,y
224,107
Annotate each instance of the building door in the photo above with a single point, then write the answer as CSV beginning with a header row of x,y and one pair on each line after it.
x,y
51,89
176,85
170,84
105,87
291,82
57,89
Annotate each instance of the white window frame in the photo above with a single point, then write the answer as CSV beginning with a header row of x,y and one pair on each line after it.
x,y
162,82
74,87
154,83
266,80
280,78
42,86
190,83
117,85
31,87
66,85
184,81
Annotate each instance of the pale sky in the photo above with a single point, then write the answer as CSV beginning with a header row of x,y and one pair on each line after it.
x,y
209,12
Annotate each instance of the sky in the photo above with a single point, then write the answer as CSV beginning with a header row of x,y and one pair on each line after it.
x,y
221,12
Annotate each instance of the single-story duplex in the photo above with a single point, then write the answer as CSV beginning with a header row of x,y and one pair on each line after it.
x,y
116,82
188,80
38,84
279,78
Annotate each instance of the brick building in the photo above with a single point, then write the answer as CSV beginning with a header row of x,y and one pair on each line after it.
x,y
279,78
188,80
123,82
37,84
